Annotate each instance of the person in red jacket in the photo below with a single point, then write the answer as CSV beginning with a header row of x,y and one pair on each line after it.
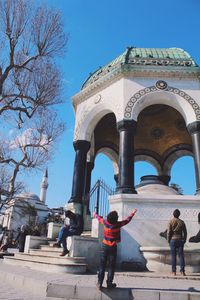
x,y
109,246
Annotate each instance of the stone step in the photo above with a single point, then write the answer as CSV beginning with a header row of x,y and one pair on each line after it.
x,y
58,265
51,259
47,252
50,248
137,286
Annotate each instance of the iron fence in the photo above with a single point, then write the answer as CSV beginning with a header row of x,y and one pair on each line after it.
x,y
98,198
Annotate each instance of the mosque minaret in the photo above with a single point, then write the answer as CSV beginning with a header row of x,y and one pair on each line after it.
x,y
43,187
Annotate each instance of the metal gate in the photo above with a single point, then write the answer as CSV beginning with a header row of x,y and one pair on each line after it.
x,y
98,198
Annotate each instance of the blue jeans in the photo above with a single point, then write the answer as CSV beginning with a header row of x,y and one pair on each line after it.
x,y
108,255
176,247
64,233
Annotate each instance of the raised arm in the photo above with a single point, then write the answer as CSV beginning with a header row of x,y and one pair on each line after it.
x,y
99,218
127,220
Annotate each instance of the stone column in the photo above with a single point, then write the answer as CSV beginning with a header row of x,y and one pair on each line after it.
x,y
126,130
86,197
116,178
81,147
89,168
194,130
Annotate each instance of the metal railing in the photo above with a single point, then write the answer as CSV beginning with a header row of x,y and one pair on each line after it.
x,y
98,198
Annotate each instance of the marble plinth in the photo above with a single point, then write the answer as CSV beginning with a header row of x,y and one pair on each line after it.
x,y
152,217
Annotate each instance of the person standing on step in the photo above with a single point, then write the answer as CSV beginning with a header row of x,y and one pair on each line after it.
x,y
112,228
21,238
75,227
177,236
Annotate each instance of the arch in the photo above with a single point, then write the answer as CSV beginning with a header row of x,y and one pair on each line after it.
x,y
88,121
183,173
112,155
143,168
161,93
151,160
173,157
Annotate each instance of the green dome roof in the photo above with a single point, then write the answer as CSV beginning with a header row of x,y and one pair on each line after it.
x,y
156,57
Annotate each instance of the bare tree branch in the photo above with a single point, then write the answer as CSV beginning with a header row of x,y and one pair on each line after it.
x,y
30,85
32,40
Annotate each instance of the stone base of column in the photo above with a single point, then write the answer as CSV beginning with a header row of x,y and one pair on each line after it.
x,y
75,200
197,192
125,190
87,219
74,207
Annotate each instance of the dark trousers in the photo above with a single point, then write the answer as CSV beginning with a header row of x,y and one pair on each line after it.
x,y
108,257
176,247
64,232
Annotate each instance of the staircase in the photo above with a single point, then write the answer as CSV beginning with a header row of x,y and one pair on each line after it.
x,y
47,259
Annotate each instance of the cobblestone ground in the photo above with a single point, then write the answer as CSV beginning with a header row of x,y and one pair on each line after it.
x,y
7,292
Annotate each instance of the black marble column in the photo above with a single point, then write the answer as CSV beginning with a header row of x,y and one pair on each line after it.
x,y
126,130
79,177
194,130
116,178
89,168
86,197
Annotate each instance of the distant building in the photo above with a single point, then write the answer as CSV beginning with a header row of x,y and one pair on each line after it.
x,y
26,208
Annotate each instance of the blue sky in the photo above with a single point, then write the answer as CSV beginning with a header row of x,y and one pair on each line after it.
x,y
99,31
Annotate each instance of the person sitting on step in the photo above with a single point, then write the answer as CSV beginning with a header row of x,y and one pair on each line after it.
x,y
75,227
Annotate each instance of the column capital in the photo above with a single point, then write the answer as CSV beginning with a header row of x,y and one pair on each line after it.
x,y
194,127
126,125
81,145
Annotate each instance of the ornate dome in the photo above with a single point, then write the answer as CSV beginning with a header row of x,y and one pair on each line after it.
x,y
136,57
28,196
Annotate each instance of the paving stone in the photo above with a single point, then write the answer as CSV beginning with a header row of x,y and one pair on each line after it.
x,y
28,284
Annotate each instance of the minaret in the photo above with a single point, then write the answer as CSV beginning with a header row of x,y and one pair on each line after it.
x,y
44,186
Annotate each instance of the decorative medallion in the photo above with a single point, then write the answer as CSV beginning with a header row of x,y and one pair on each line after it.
x,y
97,99
161,85
157,133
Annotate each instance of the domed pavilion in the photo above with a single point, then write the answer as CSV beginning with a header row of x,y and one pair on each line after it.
x,y
142,106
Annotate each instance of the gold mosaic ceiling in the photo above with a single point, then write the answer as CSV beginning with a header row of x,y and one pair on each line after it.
x,y
159,128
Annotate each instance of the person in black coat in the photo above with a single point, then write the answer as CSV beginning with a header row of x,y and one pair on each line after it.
x,y
21,238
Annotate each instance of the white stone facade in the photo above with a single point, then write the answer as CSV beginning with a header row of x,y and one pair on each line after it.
x,y
17,212
183,94
152,217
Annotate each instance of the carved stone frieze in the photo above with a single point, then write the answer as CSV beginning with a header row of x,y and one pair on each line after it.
x,y
164,213
79,123
160,85
160,62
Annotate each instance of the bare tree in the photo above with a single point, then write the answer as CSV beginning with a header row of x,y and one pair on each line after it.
x,y
26,149
30,85
30,38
